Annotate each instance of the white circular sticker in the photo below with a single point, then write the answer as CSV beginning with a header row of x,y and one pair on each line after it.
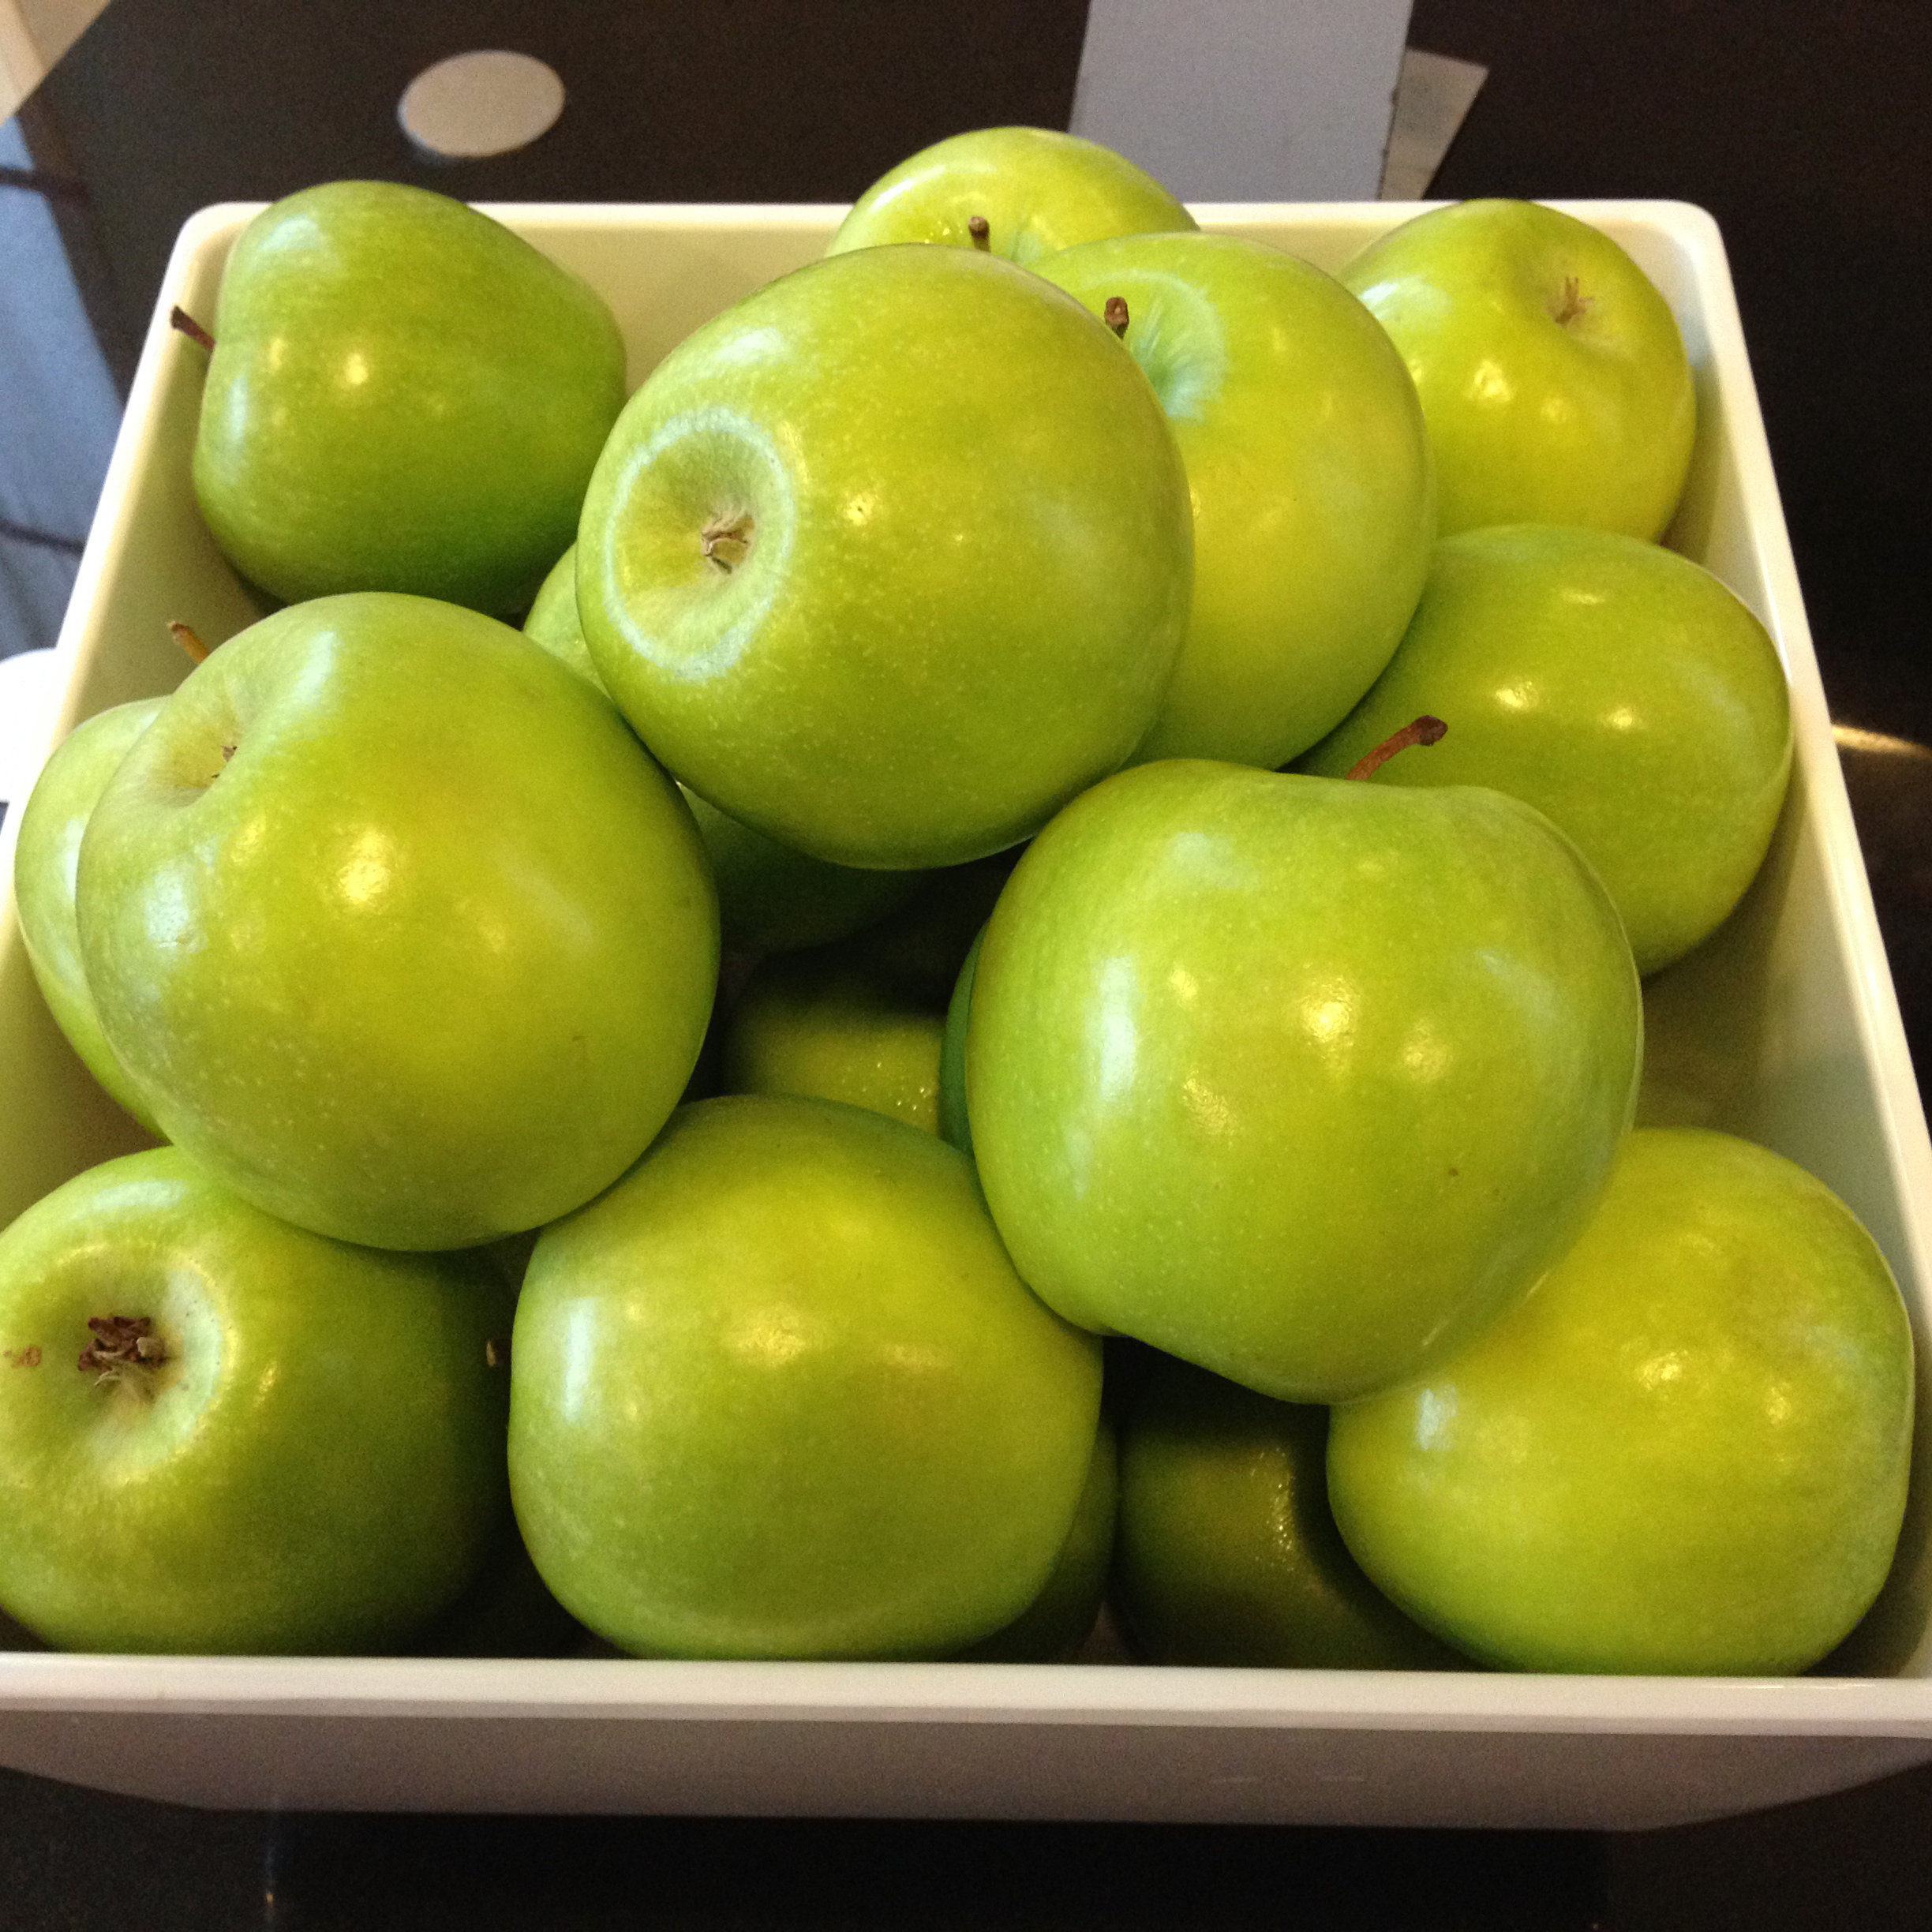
x,y
486,102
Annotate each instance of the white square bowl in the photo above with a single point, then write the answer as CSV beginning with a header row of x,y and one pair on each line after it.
x,y
1784,1027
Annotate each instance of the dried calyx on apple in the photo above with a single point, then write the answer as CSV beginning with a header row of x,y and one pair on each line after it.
x,y
122,1342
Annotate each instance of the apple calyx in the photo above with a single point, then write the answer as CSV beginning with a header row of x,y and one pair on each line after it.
x,y
181,320
1424,730
1114,315
982,233
1573,303
728,542
121,1343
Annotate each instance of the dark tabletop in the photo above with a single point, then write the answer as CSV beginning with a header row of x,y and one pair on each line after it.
x,y
1803,128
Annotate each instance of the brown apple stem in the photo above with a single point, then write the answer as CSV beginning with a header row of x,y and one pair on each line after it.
x,y
1424,730
982,233
181,319
186,637
121,1343
1114,315
1574,303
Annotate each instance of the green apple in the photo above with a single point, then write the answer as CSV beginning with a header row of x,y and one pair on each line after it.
x,y
1308,468
397,927
880,1018
220,1434
1301,1080
771,899
403,395
46,861
553,622
1226,1551
1053,1627
1552,373
857,1020
808,1024
1686,1452
1616,686
1035,190
779,1393
891,559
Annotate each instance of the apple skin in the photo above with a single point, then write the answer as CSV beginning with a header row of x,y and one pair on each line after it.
x,y
1686,1452
771,899
318,1465
1552,373
1308,468
403,395
1226,1551
1239,1040
1618,688
46,861
879,1019
553,622
808,1024
959,571
1058,1621
1039,190
779,1393
429,958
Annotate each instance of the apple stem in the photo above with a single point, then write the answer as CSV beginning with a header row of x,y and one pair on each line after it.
x,y
1424,730
181,319
1574,303
1114,315
982,233
728,542
121,1343
186,636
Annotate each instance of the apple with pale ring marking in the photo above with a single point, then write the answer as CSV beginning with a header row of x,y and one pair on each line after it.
x,y
891,560
218,1433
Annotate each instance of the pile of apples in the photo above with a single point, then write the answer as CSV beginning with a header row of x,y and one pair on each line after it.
x,y
901,736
